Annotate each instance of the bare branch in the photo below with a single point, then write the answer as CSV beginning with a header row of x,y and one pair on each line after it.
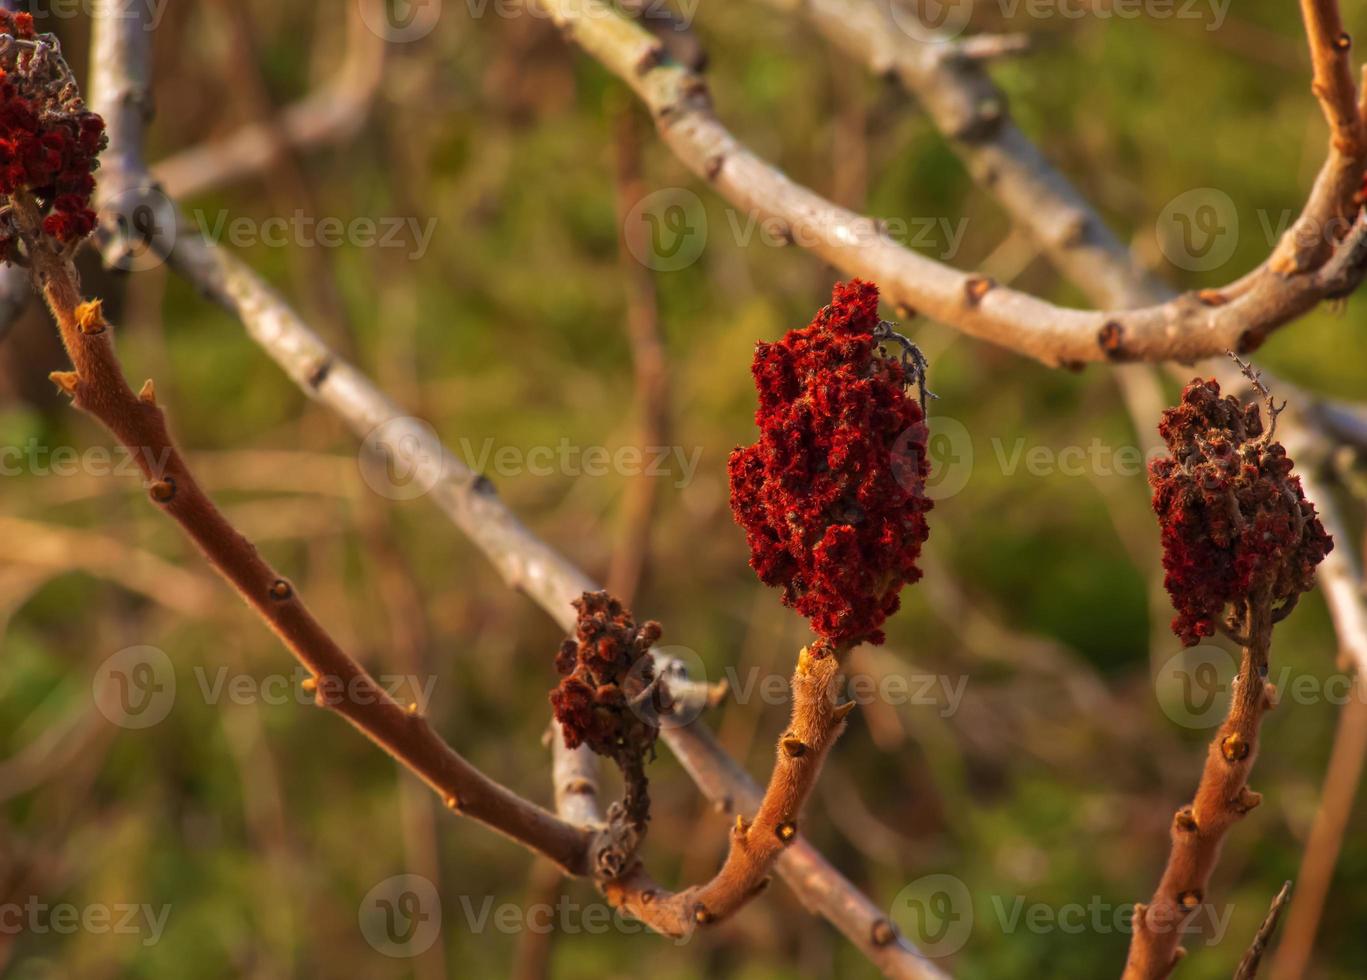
x,y
1184,329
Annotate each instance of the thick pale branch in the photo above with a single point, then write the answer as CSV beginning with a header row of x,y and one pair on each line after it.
x,y
1184,329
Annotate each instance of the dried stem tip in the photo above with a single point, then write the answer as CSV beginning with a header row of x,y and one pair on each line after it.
x,y
1235,521
48,141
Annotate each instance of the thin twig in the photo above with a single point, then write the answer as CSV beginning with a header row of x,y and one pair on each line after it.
x,y
1248,966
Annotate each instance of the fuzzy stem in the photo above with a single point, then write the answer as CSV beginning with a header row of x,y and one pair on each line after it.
x,y
756,845
1222,799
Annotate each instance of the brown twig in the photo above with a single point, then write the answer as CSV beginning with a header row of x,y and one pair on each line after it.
x,y
1222,798
817,721
97,386
1248,966
1187,328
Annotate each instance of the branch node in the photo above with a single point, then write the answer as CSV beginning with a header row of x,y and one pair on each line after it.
x,y
147,394
794,748
1235,747
163,491
883,933
975,288
281,590
786,831
1246,801
67,381
90,317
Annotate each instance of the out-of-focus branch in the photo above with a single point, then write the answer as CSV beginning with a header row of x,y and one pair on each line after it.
x,y
332,113
1341,582
1342,778
1190,327
1248,966
15,293
651,402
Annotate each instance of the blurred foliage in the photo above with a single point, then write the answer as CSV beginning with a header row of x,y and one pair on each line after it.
x,y
263,826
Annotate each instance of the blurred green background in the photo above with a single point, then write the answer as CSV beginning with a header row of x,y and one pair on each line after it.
x,y
265,826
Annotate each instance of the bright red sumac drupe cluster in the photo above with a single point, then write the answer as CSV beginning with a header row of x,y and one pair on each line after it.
x,y
832,495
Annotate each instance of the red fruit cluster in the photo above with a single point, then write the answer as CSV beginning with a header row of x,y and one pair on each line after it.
x,y
1235,521
48,141
832,496
604,669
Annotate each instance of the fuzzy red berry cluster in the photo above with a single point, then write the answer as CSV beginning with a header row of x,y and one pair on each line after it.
x,y
604,669
48,141
1235,521
832,496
